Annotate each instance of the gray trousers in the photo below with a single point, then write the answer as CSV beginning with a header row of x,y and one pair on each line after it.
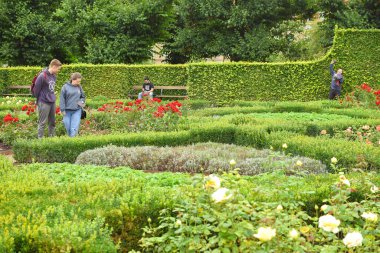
x,y
46,113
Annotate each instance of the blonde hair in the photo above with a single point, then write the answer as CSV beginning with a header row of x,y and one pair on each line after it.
x,y
75,76
55,62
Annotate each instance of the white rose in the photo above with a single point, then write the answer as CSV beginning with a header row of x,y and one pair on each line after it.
x,y
324,207
265,234
365,127
220,195
370,216
284,146
374,188
279,208
299,163
232,162
178,223
353,239
344,180
294,234
334,160
329,223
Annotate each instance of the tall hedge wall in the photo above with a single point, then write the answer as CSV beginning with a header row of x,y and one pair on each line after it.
x,y
357,52
113,81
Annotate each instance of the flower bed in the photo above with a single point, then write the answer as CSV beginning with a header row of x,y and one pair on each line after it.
x,y
134,116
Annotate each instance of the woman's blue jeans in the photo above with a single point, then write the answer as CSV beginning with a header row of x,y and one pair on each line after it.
x,y
71,120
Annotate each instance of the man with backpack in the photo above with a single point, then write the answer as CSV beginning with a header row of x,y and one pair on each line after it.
x,y
43,90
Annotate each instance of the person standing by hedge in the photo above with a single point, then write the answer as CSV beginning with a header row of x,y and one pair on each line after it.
x,y
147,88
44,92
336,82
72,101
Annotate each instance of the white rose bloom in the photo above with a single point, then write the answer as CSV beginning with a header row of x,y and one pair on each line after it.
x,y
232,162
370,216
279,208
324,207
374,189
344,180
212,181
220,195
294,234
265,234
334,160
353,239
299,163
329,223
366,127
178,223
285,146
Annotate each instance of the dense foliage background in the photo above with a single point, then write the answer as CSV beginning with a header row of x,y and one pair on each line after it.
x,y
357,52
125,31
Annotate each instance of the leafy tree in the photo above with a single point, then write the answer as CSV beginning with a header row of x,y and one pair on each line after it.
x,y
120,31
359,14
117,31
238,29
27,35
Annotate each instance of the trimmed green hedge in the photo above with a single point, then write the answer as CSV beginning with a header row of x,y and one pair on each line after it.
x,y
357,52
112,81
65,149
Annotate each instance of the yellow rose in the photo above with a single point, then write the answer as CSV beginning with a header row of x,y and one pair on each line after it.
x,y
212,182
304,230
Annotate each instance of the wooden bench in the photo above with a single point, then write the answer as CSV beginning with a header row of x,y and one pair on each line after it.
x,y
161,88
25,88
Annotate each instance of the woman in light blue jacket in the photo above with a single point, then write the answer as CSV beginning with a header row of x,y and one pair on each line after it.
x,y
72,100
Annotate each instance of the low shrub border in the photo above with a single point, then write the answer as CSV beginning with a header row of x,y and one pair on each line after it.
x,y
64,149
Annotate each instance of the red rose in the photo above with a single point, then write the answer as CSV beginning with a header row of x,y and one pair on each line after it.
x,y
8,118
24,108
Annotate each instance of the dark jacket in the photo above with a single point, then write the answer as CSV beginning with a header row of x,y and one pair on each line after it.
x,y
44,87
337,79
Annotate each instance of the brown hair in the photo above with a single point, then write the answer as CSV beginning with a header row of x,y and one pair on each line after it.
x,y
75,76
55,62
